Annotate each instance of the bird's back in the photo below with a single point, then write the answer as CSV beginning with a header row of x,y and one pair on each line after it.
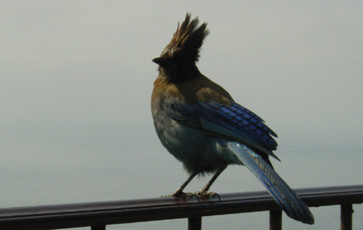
x,y
198,89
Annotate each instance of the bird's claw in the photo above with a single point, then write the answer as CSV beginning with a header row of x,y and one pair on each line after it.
x,y
203,193
206,194
182,194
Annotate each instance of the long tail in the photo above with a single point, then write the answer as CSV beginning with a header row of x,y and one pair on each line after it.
x,y
281,192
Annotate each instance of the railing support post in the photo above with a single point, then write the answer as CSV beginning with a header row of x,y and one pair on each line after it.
x,y
98,227
195,223
346,211
275,220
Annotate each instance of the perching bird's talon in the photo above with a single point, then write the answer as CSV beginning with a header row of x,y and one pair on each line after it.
x,y
183,195
206,194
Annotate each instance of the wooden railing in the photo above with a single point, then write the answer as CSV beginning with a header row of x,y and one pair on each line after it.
x,y
97,215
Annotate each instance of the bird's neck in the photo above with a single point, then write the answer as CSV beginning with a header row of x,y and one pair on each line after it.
x,y
180,74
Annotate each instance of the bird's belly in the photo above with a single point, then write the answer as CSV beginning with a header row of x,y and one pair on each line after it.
x,y
195,149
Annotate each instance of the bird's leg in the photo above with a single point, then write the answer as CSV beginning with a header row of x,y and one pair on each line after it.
x,y
179,191
204,190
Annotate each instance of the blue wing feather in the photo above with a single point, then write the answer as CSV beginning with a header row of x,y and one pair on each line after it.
x,y
248,122
232,121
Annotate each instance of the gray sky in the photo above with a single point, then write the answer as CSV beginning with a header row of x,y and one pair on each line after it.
x,y
78,74
297,64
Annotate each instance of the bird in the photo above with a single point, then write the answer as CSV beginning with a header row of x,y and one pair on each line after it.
x,y
200,124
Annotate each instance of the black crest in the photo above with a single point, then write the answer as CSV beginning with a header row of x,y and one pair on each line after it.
x,y
187,40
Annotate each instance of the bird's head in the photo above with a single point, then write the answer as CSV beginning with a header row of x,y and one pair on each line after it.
x,y
177,61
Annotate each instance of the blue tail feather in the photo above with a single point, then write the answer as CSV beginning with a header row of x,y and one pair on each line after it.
x,y
281,192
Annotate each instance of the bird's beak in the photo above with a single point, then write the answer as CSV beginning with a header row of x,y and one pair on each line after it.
x,y
159,60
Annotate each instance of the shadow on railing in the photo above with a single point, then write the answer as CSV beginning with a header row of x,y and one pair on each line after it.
x,y
99,214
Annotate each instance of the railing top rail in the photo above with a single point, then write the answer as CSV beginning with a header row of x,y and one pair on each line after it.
x,y
113,212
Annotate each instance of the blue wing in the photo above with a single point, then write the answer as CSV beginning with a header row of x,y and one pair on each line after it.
x,y
232,121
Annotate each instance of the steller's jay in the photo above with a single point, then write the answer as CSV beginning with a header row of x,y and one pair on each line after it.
x,y
200,124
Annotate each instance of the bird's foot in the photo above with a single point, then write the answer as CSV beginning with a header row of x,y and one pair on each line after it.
x,y
205,194
180,193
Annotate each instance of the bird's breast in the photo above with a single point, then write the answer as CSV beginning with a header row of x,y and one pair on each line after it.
x,y
195,149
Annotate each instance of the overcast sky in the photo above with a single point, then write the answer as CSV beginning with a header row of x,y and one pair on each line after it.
x,y
79,73
296,64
